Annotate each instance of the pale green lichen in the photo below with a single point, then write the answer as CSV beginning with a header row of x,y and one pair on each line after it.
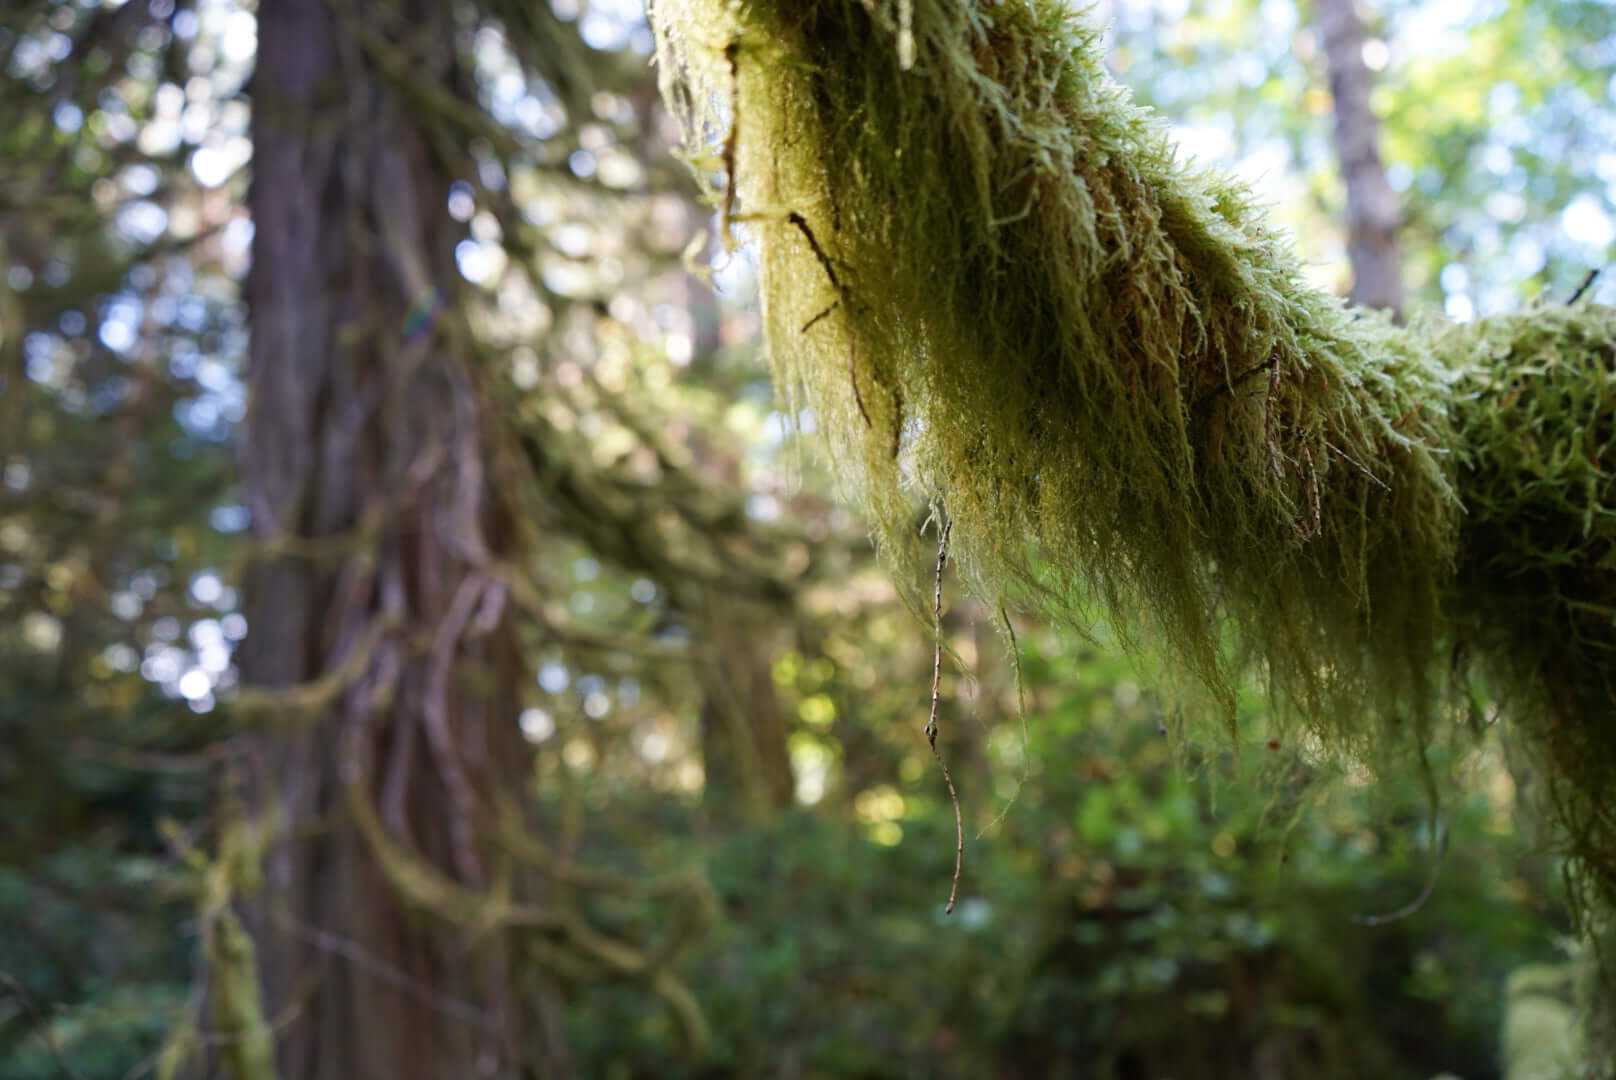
x,y
998,287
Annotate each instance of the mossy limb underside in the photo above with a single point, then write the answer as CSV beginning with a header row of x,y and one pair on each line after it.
x,y
995,283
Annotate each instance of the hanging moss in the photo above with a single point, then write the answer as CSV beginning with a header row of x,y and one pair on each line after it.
x,y
991,277
1534,594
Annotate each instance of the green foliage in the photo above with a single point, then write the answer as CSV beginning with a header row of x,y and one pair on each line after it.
x,y
116,344
1520,106
1128,917
91,960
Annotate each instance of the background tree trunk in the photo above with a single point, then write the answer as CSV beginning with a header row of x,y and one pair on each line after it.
x,y
366,467
743,729
1372,211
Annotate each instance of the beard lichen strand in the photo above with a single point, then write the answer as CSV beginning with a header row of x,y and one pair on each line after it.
x,y
1125,392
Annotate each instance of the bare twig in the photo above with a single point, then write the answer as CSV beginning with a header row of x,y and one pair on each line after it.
x,y
138,760
1586,282
897,421
1425,894
809,325
931,724
1230,382
801,224
1313,491
726,209
1348,458
852,377
369,962
1268,415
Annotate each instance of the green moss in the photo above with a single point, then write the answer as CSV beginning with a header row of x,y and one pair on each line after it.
x,y
1535,592
987,272
248,1044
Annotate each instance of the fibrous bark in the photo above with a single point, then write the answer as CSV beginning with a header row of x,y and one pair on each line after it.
x,y
384,927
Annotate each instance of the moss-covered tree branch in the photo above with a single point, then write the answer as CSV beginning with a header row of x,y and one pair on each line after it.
x,y
1000,288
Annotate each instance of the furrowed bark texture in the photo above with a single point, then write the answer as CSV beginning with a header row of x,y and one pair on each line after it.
x,y
366,463
1372,211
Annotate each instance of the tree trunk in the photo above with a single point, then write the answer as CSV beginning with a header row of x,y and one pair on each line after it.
x,y
365,462
743,731
1372,211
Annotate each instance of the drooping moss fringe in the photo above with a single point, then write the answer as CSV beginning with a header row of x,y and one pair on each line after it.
x,y
1534,593
991,277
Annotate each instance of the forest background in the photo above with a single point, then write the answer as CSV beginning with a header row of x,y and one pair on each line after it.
x,y
516,638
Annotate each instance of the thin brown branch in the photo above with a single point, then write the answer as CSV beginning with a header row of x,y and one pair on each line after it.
x,y
931,724
1268,416
809,325
1350,460
369,962
156,761
726,209
1229,385
852,378
1583,288
1419,901
801,224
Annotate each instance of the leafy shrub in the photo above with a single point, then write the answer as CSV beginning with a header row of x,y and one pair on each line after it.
x,y
1135,916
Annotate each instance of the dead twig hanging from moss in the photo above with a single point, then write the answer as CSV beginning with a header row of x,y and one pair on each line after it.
x,y
931,722
1424,896
1587,282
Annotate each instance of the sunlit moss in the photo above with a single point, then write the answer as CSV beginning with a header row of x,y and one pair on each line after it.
x,y
997,286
